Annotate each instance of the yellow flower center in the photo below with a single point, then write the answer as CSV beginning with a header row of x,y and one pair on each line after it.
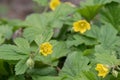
x,y
46,48
81,26
102,69
54,4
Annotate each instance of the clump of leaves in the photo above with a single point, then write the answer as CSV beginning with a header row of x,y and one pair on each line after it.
x,y
70,54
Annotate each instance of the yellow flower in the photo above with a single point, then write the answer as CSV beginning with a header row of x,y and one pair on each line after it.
x,y
102,69
46,48
54,4
81,26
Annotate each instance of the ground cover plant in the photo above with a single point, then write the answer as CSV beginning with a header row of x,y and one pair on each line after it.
x,y
64,42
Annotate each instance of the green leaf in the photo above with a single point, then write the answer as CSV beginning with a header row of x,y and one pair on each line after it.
x,y
31,33
21,67
58,23
103,35
85,40
59,16
19,77
8,52
105,1
107,58
37,34
100,49
23,45
76,16
40,30
94,2
6,31
63,10
111,14
79,39
42,2
46,78
88,52
94,32
44,36
87,75
90,8
44,71
21,42
2,39
74,65
37,20
59,49
89,12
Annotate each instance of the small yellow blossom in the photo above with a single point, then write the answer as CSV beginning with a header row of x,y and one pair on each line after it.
x,y
102,69
81,26
46,48
54,4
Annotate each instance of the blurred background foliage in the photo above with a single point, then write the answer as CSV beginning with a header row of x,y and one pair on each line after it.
x,y
19,9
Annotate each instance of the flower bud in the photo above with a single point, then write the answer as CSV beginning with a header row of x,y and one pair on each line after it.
x,y
30,63
114,73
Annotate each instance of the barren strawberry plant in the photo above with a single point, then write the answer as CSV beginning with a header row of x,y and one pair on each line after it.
x,y
64,42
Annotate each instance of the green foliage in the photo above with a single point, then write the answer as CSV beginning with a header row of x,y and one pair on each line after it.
x,y
89,12
37,35
44,36
109,13
79,39
41,2
46,78
90,8
63,10
103,35
106,58
93,2
44,71
20,77
6,31
74,55
74,65
23,45
21,67
7,52
36,20
2,39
